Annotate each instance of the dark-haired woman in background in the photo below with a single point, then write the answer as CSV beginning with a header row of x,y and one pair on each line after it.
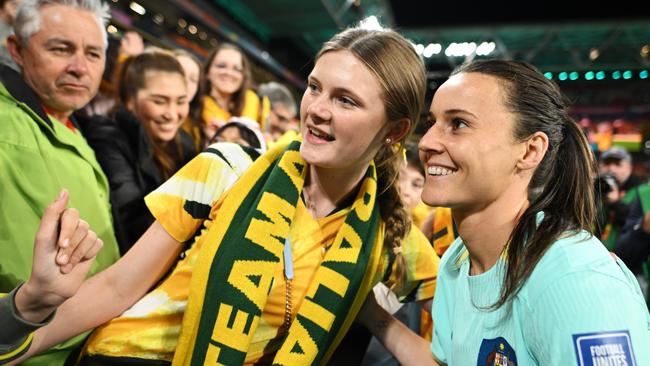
x,y
142,145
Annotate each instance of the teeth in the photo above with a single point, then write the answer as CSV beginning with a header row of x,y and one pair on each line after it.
x,y
320,135
436,170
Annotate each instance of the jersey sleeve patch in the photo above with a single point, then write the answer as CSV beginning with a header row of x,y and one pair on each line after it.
x,y
606,348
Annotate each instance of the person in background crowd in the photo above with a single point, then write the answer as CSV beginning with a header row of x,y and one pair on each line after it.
x,y
411,183
526,282
59,46
619,189
64,249
7,14
241,131
192,69
225,92
283,114
141,145
296,239
119,49
439,228
193,76
633,243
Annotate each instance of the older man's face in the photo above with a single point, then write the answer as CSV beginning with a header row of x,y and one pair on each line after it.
x,y
63,62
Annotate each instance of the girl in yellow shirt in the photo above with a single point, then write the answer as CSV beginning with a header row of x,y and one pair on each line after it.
x,y
225,93
287,246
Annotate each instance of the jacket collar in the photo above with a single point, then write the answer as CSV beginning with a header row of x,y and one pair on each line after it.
x,y
138,141
18,89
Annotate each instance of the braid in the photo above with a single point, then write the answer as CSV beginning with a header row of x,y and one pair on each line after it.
x,y
393,213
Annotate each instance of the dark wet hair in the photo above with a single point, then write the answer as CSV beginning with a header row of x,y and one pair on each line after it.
x,y
561,186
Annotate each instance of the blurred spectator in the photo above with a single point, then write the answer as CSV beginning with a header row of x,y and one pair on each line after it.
x,y
193,76
224,93
618,188
411,182
633,244
283,116
439,228
192,69
131,44
7,14
142,145
241,131
59,46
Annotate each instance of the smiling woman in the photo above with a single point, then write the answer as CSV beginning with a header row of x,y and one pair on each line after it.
x,y
142,145
342,98
526,282
225,93
522,197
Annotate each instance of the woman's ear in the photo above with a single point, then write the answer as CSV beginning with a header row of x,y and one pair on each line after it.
x,y
399,130
535,150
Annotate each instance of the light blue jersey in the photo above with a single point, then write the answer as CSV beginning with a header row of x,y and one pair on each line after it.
x,y
579,307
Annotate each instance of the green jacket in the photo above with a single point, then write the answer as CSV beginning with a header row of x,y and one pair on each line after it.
x,y
38,157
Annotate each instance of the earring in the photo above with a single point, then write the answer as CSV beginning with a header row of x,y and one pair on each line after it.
x,y
389,140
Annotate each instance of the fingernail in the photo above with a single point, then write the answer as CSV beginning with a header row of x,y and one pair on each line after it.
x,y
65,243
63,258
61,195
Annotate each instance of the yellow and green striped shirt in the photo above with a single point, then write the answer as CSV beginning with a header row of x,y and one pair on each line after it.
x,y
186,206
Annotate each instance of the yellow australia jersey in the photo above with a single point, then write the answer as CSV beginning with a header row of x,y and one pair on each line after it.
x,y
150,328
254,109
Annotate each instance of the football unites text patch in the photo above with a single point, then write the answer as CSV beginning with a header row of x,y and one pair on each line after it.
x,y
599,349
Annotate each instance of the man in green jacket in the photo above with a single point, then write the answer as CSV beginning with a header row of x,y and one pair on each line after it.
x,y
60,48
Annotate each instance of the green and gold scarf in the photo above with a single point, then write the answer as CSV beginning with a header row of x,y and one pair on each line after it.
x,y
231,282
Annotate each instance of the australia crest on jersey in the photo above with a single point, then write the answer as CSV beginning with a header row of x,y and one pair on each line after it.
x,y
496,352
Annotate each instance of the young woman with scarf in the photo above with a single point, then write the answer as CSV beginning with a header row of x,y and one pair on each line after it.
x,y
287,245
